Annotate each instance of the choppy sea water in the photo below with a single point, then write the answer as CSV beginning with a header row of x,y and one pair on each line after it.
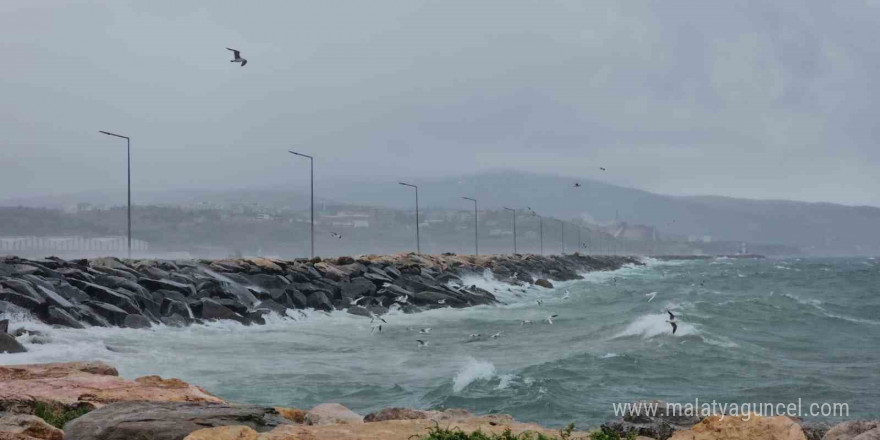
x,y
772,330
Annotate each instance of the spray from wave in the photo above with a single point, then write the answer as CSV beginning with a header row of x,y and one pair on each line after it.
x,y
472,371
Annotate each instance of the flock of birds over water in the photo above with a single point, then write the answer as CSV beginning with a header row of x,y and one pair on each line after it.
x,y
377,321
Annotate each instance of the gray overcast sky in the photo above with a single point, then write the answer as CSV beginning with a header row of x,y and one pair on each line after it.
x,y
748,98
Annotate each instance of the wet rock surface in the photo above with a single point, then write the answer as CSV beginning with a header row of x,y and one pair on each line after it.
x,y
141,293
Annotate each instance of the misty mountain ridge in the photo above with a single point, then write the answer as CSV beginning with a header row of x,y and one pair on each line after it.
x,y
823,228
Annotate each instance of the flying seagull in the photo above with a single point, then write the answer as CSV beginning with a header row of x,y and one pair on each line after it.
x,y
567,295
373,317
425,330
238,58
336,235
496,335
540,302
550,319
443,301
526,322
672,321
602,168
422,343
355,302
651,295
402,299
474,336
577,185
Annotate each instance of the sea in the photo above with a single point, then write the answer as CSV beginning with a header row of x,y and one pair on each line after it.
x,y
754,331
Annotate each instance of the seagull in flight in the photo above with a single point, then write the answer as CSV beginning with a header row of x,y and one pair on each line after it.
x,y
402,299
602,168
526,322
238,58
441,301
567,295
473,336
540,302
336,235
550,318
577,185
425,330
672,321
373,317
496,335
422,344
355,301
651,295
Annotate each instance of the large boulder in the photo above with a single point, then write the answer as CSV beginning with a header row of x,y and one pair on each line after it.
x,y
166,420
357,287
743,428
30,426
319,300
855,430
395,414
544,283
93,384
136,321
8,344
224,433
331,414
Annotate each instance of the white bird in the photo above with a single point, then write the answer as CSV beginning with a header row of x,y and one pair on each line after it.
x,y
422,343
474,336
651,295
355,301
442,301
672,321
567,295
526,322
425,330
402,299
373,317
540,302
496,335
550,319
238,58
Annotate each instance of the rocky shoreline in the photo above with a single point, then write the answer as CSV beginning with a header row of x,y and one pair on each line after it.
x,y
140,293
89,401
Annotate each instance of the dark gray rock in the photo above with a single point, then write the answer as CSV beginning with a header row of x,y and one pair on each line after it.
x,y
4,326
272,306
210,309
136,321
544,283
319,300
89,316
54,298
298,277
114,315
166,284
106,295
269,281
26,302
57,316
8,344
175,307
298,299
356,288
21,287
854,430
166,420
815,430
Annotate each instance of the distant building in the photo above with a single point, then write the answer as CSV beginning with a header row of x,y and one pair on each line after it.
x,y
347,220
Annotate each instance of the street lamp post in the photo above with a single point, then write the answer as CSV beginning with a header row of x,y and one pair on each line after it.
x,y
418,240
541,234
312,174
128,147
476,227
513,211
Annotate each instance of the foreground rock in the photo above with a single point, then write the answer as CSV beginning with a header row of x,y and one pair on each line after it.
x,y
86,384
28,426
8,344
167,420
332,414
735,428
408,428
855,430
224,433
140,293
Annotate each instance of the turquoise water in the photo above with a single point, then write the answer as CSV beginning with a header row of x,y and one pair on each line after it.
x,y
772,330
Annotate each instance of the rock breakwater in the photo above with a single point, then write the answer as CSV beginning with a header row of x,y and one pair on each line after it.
x,y
141,293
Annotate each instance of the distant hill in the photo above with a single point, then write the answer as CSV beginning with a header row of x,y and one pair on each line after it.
x,y
819,228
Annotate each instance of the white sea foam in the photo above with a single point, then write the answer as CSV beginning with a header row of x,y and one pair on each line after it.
x,y
472,371
608,356
649,326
